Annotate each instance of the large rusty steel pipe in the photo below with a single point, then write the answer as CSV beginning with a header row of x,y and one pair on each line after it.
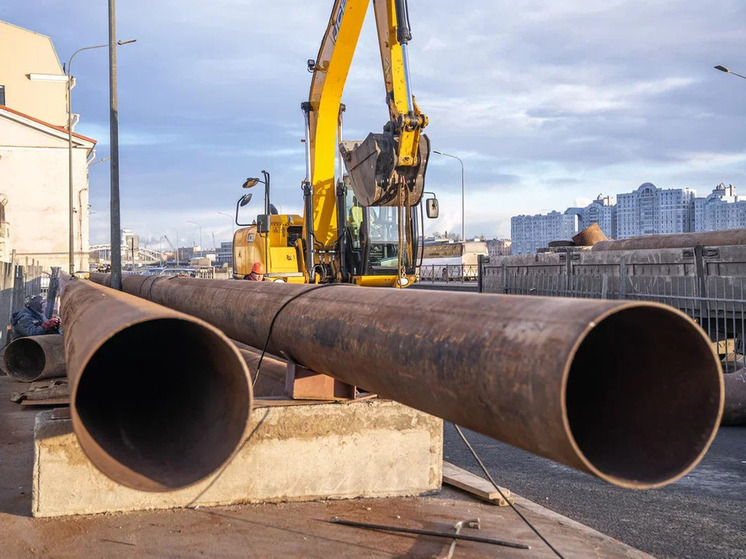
x,y
159,400
35,358
676,240
629,391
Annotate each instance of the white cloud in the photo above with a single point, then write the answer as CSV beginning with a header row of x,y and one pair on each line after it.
x,y
544,102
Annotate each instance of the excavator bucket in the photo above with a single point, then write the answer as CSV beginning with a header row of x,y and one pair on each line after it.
x,y
375,172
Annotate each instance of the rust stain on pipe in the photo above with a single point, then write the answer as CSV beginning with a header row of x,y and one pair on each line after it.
x,y
680,240
35,358
629,391
159,400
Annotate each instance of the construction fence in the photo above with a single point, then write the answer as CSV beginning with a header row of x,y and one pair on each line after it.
x,y
447,272
16,282
708,284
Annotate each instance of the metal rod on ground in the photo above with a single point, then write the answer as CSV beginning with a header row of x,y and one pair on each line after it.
x,y
171,420
460,524
593,384
435,533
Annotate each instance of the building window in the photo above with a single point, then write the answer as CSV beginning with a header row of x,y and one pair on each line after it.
x,y
2,95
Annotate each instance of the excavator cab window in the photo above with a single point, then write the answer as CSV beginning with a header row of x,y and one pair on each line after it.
x,y
372,233
382,250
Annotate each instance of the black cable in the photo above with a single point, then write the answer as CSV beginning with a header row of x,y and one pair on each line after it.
x,y
191,504
484,469
274,318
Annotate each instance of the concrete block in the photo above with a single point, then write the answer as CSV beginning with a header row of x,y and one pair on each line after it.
x,y
296,452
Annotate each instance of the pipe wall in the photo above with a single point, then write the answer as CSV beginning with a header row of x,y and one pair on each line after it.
x,y
159,400
271,380
596,385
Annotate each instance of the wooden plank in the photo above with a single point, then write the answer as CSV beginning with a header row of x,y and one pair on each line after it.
x,y
47,402
475,485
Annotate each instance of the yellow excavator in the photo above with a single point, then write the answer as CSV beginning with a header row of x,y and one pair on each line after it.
x,y
361,226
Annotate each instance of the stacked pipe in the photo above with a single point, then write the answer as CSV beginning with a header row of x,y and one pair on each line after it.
x,y
628,391
268,382
159,399
677,240
35,358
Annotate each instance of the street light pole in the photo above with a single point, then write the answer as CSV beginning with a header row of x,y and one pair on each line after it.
x,y
71,239
71,243
233,222
729,71
463,213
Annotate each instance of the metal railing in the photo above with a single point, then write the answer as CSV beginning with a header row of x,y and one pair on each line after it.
x,y
16,282
448,273
716,303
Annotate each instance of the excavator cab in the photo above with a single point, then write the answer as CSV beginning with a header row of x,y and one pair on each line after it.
x,y
372,238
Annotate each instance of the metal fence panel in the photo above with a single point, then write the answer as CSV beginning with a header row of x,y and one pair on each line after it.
x,y
705,283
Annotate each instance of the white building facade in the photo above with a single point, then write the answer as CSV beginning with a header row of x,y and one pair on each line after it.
x,y
602,210
722,209
34,182
531,232
653,211
499,247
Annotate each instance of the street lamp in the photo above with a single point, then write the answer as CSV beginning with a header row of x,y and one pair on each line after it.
x,y
252,181
728,71
262,225
463,219
71,247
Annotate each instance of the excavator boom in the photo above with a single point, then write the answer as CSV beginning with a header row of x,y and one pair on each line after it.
x,y
385,169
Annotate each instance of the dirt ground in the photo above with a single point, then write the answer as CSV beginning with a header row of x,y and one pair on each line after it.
x,y
270,530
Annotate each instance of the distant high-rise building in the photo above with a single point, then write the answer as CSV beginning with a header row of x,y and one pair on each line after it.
x,y
225,252
602,211
499,247
531,232
722,209
652,211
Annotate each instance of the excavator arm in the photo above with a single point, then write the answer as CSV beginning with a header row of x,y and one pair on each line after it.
x,y
383,163
385,169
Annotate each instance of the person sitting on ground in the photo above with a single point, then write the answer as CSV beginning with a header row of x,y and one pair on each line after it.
x,y
257,272
30,321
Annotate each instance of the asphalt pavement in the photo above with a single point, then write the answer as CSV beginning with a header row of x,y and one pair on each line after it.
x,y
703,515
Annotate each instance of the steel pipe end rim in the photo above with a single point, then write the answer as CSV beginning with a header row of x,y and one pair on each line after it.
x,y
642,395
24,359
165,417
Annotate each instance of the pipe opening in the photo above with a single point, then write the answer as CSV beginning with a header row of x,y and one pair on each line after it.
x,y
25,359
643,396
168,400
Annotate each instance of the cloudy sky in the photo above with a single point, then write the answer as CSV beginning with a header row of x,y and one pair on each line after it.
x,y
548,104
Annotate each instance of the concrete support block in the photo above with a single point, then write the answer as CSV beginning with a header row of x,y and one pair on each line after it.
x,y
296,452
